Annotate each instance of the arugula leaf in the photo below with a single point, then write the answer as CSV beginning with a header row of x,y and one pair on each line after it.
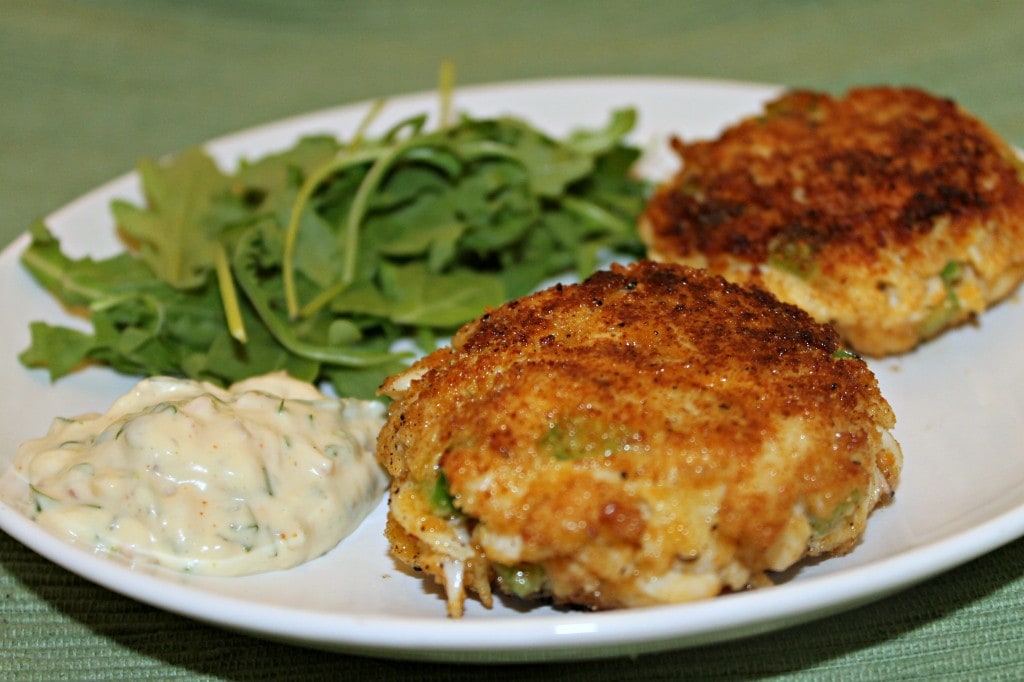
x,y
272,173
420,298
58,349
84,282
141,324
550,166
319,258
607,139
170,232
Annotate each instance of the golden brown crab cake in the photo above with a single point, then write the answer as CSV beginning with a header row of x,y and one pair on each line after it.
x,y
653,435
890,213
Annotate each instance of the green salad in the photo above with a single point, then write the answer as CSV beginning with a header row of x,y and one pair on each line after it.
x,y
317,260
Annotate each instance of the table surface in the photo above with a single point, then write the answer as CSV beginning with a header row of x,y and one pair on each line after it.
x,y
88,88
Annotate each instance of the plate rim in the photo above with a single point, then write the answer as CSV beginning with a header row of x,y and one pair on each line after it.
x,y
571,635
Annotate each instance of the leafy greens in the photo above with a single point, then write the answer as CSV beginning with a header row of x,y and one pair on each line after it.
x,y
318,259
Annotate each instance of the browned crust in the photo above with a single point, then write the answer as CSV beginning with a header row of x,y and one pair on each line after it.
x,y
836,178
694,374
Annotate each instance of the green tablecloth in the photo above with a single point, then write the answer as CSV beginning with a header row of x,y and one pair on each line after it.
x,y
87,88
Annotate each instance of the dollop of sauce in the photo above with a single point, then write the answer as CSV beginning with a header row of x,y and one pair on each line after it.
x,y
264,475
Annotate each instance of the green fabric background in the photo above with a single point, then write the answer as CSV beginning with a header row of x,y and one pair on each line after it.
x,y
87,88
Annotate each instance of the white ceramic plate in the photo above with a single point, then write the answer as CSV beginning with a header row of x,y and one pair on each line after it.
x,y
957,401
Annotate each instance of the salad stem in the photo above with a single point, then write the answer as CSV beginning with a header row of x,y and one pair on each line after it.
x,y
228,294
341,160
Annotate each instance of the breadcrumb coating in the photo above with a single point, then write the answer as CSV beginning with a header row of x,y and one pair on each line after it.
x,y
890,213
652,435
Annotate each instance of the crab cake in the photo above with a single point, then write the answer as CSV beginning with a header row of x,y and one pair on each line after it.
x,y
890,213
653,435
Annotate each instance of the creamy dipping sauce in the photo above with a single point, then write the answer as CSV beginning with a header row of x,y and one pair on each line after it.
x,y
265,475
